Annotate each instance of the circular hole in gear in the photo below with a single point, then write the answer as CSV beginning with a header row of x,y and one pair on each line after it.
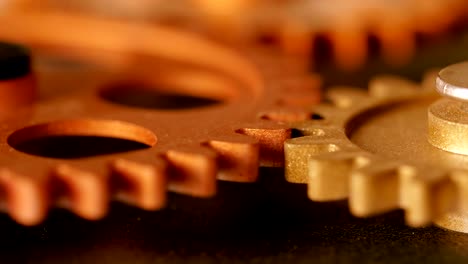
x,y
154,99
72,139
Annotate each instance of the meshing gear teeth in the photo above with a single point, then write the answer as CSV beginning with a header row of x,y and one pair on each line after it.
x,y
296,24
372,147
187,149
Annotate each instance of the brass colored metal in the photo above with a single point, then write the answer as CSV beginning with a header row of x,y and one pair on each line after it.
x,y
373,148
448,126
187,148
294,23
448,119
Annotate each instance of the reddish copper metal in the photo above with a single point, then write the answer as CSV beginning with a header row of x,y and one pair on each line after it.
x,y
17,92
189,149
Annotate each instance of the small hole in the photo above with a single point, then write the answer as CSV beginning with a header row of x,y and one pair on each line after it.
x,y
296,133
153,99
315,116
81,138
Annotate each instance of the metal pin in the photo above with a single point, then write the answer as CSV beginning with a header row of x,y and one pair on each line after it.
x,y
453,81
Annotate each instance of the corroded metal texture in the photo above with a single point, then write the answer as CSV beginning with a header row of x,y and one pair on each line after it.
x,y
256,93
373,148
295,24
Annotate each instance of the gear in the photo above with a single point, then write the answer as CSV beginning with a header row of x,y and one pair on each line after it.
x,y
186,149
296,24
384,150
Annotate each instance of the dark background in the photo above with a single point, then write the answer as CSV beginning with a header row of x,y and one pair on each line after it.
x,y
271,221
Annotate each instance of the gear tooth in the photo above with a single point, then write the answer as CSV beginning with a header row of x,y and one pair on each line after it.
x,y
85,193
140,184
238,158
26,197
456,199
384,87
346,97
319,131
271,138
192,171
329,174
295,39
299,150
397,45
460,179
349,48
425,194
374,189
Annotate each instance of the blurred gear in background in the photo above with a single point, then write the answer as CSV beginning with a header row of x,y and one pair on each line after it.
x,y
298,27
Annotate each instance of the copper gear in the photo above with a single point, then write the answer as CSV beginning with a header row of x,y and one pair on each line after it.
x,y
261,93
296,24
373,148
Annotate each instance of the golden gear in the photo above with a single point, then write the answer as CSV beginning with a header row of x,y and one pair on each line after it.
x,y
185,149
296,24
383,150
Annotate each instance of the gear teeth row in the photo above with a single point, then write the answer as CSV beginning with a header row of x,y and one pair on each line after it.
x,y
260,95
334,168
299,26
425,195
231,156
83,192
191,171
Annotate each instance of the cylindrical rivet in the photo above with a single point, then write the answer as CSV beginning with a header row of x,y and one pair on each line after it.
x,y
448,117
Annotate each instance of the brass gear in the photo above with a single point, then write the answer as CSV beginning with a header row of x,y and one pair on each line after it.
x,y
296,24
261,93
375,148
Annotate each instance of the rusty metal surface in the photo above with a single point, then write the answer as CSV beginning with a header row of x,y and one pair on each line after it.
x,y
184,150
